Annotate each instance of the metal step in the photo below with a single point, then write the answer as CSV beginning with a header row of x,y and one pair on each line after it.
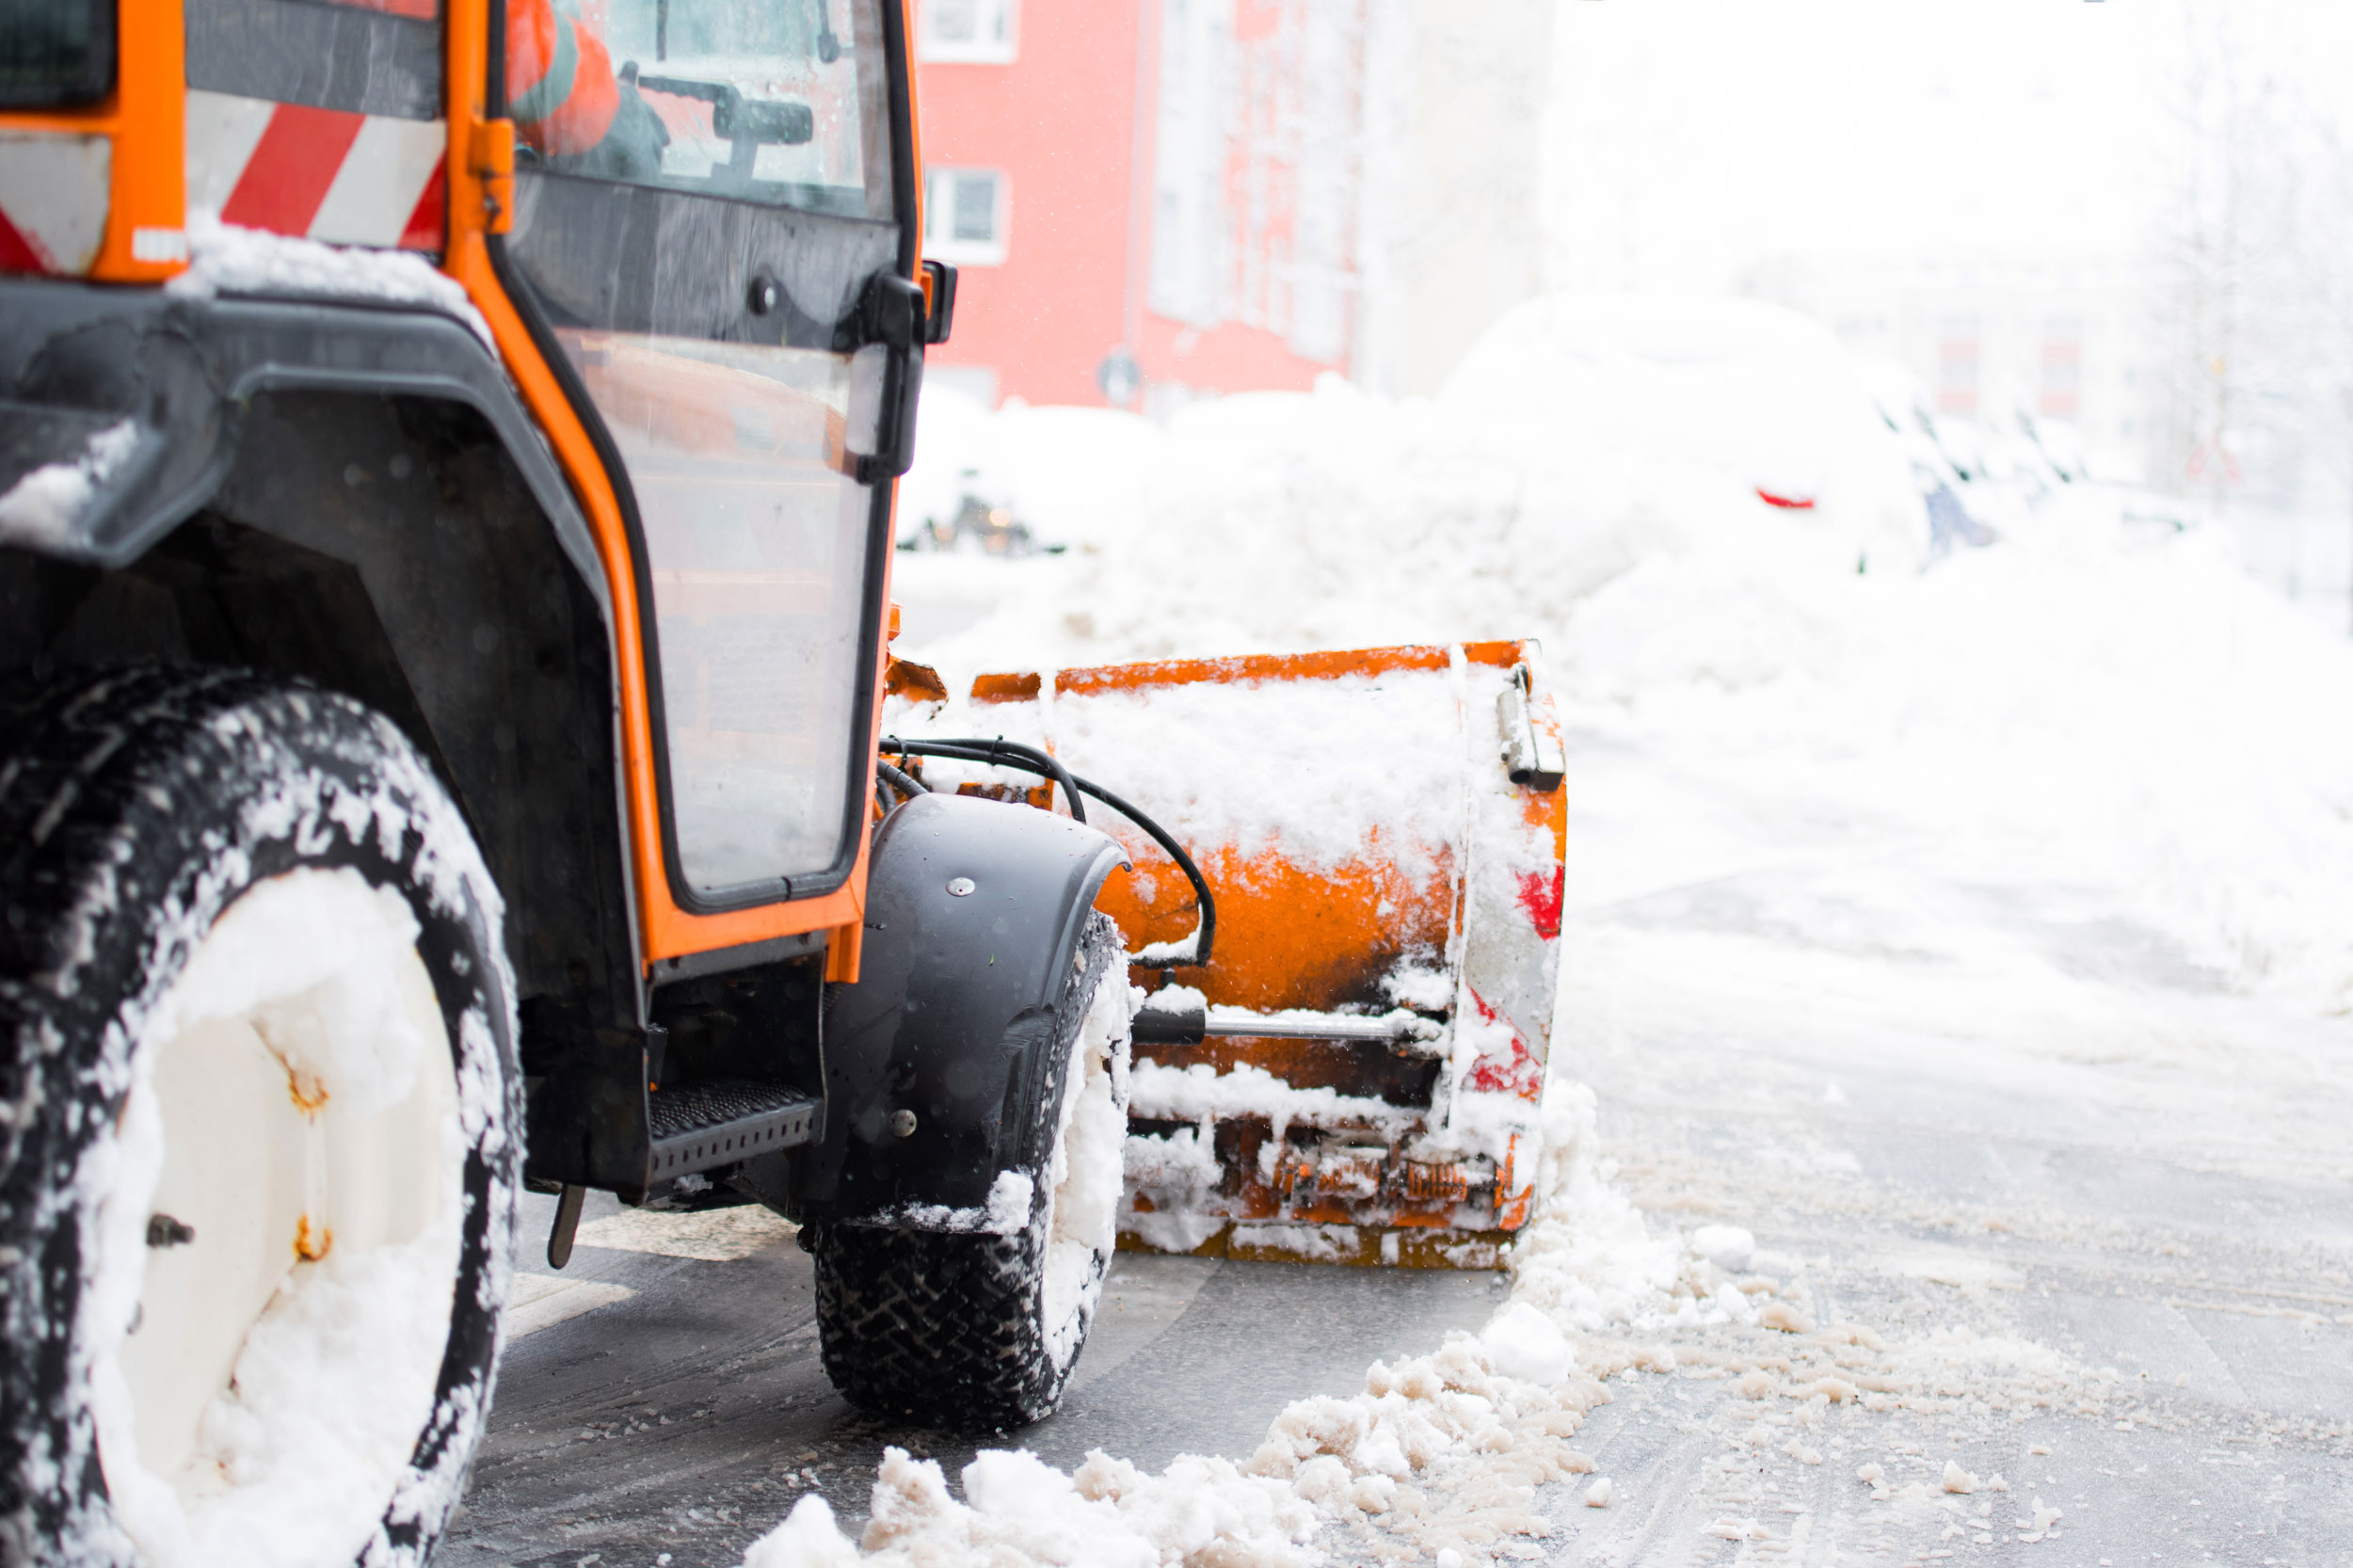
x,y
722,1120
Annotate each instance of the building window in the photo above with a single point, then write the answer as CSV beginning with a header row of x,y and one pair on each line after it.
x,y
964,216
971,32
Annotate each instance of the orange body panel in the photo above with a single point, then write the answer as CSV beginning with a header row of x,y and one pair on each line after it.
x,y
147,120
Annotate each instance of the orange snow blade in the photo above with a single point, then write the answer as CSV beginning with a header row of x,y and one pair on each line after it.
x,y
1354,1075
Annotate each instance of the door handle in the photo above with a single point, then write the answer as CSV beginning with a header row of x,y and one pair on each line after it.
x,y
886,377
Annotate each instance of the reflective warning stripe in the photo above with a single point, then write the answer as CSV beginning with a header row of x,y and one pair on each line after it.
x,y
55,195
324,174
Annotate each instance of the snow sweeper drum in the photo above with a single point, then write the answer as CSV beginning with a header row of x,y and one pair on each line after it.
x,y
1354,1074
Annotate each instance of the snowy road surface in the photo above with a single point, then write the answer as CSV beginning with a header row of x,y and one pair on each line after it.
x,y
2220,1299
670,1400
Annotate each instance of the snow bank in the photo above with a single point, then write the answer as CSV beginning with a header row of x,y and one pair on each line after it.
x,y
1075,477
2080,706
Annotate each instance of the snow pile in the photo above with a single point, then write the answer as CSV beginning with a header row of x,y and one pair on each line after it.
x,y
224,258
1588,1259
1442,1452
42,507
1075,477
2119,726
1201,1514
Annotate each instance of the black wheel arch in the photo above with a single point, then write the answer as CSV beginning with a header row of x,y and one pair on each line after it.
x,y
354,495
953,1018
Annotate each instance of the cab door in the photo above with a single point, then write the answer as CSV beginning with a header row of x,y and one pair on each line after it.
x,y
713,236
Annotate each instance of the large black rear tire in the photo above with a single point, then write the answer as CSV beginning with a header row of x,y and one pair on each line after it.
x,y
974,1330
140,811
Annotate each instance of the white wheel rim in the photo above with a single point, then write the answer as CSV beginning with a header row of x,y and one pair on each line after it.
x,y
260,1388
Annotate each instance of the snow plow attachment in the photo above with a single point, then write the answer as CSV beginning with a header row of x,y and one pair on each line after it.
x,y
1353,1075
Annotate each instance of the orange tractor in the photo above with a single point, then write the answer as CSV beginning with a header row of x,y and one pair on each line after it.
x,y
449,746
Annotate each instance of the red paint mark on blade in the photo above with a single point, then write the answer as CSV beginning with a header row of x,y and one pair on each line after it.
x,y
422,230
287,177
20,252
1789,503
1521,1074
1541,895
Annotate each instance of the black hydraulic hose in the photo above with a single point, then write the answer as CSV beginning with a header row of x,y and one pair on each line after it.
x,y
905,783
1012,754
1206,929
998,753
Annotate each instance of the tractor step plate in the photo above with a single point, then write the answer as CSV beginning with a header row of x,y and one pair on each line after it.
x,y
720,1121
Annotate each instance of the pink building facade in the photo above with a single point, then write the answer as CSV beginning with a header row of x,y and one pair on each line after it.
x,y
1148,201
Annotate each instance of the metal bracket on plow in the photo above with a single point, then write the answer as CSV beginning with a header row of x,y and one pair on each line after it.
x,y
1533,756
1190,1026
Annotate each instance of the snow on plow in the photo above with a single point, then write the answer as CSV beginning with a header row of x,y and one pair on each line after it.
x,y
1353,1074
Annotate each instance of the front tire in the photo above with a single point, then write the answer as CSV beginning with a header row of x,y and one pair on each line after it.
x,y
261,1162
974,1330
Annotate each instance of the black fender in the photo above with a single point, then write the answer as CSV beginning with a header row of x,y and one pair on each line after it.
x,y
351,493
78,358
953,1011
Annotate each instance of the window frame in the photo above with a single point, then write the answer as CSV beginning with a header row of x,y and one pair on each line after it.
x,y
930,49
940,244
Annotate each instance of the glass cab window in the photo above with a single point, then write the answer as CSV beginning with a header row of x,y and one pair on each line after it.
x,y
755,544
769,101
707,194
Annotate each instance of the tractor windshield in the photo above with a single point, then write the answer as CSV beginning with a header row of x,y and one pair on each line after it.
x,y
777,101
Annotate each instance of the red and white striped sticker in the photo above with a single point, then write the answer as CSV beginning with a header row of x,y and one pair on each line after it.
x,y
54,193
322,174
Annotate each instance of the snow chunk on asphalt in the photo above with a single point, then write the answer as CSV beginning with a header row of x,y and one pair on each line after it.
x,y
1729,1247
1522,1342
1957,1480
1597,1495
807,1539
1109,1514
